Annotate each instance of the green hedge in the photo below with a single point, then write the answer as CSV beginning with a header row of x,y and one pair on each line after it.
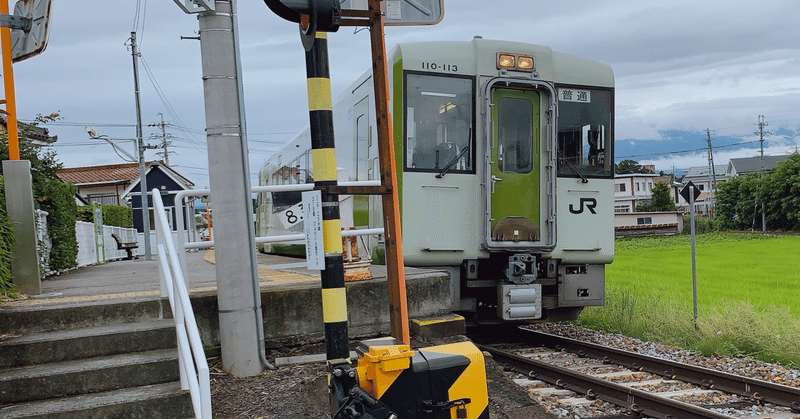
x,y
59,201
113,215
6,240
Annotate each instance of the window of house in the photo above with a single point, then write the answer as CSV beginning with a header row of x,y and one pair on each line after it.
x,y
644,220
167,211
103,199
622,208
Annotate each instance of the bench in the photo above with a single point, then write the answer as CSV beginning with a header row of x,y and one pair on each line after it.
x,y
127,247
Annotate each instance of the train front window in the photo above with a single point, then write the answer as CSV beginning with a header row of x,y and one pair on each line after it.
x,y
585,132
439,124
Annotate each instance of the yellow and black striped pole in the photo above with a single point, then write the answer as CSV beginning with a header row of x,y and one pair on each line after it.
x,y
320,105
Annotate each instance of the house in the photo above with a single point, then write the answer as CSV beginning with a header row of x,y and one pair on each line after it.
x,y
747,165
635,224
38,136
631,189
118,184
702,179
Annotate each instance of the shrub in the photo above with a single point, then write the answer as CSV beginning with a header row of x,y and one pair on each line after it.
x,y
701,225
113,215
58,200
6,240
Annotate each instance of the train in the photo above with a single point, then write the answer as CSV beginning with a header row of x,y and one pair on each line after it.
x,y
505,174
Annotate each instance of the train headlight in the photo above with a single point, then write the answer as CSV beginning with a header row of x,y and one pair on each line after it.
x,y
525,63
506,61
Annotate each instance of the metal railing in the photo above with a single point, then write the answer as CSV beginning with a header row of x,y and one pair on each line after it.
x,y
191,357
184,245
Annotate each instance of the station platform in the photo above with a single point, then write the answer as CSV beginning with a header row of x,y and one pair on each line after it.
x,y
290,296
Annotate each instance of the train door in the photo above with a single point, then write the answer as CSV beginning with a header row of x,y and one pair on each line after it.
x,y
515,172
366,168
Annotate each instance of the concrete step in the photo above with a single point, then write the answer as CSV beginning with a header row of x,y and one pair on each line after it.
x,y
160,401
70,378
33,318
65,345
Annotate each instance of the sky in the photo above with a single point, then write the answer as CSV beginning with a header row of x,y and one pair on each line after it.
x,y
681,67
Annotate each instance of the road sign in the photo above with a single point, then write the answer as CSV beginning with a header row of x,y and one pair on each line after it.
x,y
685,192
404,12
26,44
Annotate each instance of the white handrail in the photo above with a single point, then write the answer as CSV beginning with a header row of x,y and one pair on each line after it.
x,y
191,357
183,245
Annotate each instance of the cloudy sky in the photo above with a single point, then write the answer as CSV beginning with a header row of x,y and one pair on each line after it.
x,y
680,66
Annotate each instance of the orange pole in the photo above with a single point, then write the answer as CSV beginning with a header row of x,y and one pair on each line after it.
x,y
398,306
8,77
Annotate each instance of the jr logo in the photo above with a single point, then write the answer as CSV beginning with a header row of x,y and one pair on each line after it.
x,y
591,203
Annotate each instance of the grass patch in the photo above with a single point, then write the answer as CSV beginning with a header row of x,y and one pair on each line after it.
x,y
748,294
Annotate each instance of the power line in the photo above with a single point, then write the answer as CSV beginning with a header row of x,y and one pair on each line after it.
x,y
687,151
166,103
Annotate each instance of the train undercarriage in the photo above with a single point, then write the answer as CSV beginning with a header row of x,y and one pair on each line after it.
x,y
524,287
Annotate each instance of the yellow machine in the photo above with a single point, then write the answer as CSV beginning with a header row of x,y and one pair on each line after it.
x,y
440,382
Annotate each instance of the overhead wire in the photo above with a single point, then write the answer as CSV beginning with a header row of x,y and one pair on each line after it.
x,y
167,104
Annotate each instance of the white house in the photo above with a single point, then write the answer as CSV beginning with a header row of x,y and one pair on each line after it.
x,y
702,179
630,189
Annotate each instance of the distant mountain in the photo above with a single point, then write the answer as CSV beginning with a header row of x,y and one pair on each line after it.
x,y
679,143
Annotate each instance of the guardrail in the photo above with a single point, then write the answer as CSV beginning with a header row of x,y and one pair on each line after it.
x,y
191,357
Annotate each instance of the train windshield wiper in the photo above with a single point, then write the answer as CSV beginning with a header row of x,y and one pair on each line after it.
x,y
452,162
571,166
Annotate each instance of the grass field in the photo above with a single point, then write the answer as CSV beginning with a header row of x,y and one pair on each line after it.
x,y
748,294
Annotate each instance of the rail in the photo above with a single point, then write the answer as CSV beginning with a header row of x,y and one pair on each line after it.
x,y
191,357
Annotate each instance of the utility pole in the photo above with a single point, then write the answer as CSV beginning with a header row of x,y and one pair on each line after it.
x,y
761,124
164,138
712,175
140,146
238,295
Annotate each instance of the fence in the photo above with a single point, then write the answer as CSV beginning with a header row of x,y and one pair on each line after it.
x,y
89,247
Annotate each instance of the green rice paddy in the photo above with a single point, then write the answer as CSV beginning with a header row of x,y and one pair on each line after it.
x,y
748,289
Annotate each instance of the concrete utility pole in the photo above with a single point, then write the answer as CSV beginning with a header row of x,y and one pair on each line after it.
x,y
238,294
164,138
761,124
140,146
712,175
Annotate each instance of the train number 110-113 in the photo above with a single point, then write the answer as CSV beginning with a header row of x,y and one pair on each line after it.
x,y
439,67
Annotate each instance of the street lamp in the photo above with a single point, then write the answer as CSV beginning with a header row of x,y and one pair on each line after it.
x,y
142,183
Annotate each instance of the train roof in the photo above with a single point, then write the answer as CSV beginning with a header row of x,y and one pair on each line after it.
x,y
553,66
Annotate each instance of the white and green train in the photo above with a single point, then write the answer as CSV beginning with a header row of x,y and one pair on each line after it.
x,y
504,156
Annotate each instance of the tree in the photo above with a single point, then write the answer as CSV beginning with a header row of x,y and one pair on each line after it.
x,y
629,166
780,193
736,204
660,201
49,193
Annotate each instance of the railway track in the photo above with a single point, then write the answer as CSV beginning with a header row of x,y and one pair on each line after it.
x,y
582,373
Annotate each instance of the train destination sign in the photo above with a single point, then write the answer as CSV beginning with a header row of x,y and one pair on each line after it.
x,y
574,95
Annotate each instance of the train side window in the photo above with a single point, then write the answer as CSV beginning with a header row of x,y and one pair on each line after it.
x,y
361,147
585,132
439,123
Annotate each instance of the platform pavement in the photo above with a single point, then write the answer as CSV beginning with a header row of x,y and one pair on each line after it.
x,y
139,279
